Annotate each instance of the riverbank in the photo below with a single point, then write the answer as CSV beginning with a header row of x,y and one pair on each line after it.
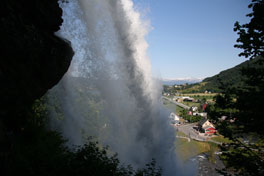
x,y
204,153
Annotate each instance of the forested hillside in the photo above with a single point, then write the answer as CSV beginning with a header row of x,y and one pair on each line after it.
x,y
231,77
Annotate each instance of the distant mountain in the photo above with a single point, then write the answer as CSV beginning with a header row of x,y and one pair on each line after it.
x,y
179,81
231,77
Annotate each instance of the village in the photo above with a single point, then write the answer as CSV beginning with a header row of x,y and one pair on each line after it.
x,y
197,136
191,120
203,130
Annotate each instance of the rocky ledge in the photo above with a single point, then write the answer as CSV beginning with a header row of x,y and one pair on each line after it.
x,y
32,58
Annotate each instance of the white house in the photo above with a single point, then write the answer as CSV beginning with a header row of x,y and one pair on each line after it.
x,y
204,123
203,114
194,108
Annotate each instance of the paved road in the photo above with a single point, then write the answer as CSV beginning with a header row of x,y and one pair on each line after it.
x,y
193,134
177,103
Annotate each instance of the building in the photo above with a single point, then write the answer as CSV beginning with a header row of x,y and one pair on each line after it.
x,y
223,118
188,99
194,108
205,122
203,114
205,126
209,130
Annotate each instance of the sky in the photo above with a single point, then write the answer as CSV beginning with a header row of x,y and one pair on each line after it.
x,y
193,38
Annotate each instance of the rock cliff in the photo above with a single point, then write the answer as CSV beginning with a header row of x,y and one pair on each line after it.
x,y
32,58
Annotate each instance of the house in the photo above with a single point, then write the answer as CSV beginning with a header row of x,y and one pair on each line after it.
x,y
203,114
232,120
209,130
194,108
223,118
188,99
205,122
205,126
179,100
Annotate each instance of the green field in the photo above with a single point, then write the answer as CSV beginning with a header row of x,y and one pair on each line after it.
x,y
200,94
221,139
190,104
187,150
179,133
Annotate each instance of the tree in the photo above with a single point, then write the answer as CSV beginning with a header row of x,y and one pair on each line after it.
x,y
246,99
35,150
250,96
251,35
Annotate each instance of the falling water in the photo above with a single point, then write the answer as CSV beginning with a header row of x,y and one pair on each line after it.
x,y
108,91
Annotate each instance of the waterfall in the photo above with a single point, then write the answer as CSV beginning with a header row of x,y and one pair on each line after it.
x,y
108,91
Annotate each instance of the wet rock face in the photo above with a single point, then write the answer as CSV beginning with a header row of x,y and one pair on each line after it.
x,y
32,58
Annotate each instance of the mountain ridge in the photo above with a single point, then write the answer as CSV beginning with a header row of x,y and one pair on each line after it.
x,y
231,77
178,81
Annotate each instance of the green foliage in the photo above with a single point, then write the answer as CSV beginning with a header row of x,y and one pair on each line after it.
x,y
224,106
251,38
91,160
236,153
244,103
246,99
37,151
231,78
221,139
250,98
192,119
188,149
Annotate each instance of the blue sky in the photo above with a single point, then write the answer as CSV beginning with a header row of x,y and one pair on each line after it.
x,y
193,38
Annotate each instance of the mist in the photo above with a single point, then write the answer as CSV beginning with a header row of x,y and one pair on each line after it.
x,y
108,91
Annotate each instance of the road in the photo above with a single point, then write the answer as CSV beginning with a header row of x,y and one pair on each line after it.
x,y
177,103
193,134
188,130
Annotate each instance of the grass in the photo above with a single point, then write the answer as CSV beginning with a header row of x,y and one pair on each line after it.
x,y
179,110
190,104
187,150
179,133
200,94
208,97
194,88
221,139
